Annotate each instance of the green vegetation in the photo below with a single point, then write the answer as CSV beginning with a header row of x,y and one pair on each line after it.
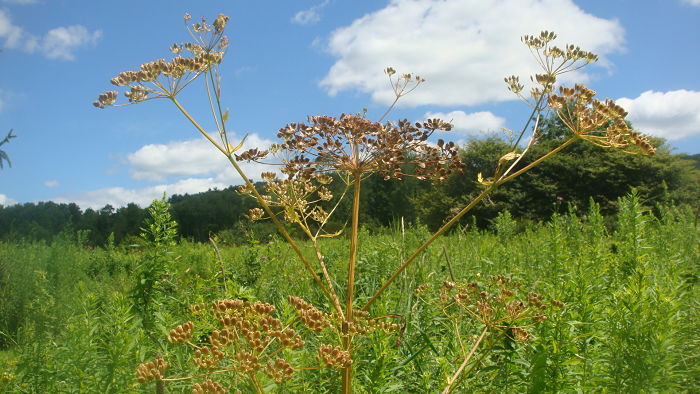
x,y
628,323
579,303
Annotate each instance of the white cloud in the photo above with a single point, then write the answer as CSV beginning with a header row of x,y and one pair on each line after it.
x,y
58,43
197,161
672,115
52,183
464,48
6,201
185,158
119,196
310,16
62,42
692,2
470,124
12,34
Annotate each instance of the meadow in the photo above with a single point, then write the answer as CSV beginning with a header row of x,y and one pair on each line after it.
x,y
582,302
623,289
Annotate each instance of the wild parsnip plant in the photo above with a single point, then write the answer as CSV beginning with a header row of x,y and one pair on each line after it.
x,y
348,149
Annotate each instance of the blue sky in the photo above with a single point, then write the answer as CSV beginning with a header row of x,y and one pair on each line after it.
x,y
293,58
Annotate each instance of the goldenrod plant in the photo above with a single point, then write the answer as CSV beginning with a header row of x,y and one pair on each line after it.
x,y
348,149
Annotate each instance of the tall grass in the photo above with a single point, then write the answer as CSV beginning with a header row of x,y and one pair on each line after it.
x,y
629,323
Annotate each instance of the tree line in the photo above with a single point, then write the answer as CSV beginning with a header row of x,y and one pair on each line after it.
x,y
569,180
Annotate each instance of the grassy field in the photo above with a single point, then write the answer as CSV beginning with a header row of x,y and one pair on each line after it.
x,y
74,319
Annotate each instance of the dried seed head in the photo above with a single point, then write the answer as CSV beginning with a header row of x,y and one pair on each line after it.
x,y
107,98
220,23
181,333
280,370
520,334
151,371
601,123
255,214
208,386
334,357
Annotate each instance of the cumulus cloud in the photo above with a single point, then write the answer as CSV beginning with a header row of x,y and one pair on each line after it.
x,y
119,196
464,48
470,124
58,43
12,34
310,16
179,167
6,201
672,115
62,42
158,162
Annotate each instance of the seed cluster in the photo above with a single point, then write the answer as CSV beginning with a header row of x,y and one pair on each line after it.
x,y
334,357
602,123
151,371
312,318
298,198
362,323
246,341
181,333
553,60
162,78
495,304
353,144
208,386
280,370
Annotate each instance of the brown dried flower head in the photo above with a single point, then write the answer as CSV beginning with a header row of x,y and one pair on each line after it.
x,y
280,370
553,60
601,123
355,145
151,371
208,386
334,357
181,333
165,79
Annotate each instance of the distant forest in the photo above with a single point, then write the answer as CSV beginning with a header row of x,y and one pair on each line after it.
x,y
568,181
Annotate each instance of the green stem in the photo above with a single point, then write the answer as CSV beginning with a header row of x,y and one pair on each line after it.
x,y
347,338
262,203
425,244
454,377
458,216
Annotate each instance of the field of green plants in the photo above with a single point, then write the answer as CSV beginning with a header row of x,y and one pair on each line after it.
x,y
582,302
617,305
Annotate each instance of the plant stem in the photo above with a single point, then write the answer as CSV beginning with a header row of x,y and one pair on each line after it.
x,y
425,244
221,263
454,377
458,216
354,232
256,384
262,203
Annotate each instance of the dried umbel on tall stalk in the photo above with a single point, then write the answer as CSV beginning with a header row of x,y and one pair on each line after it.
x,y
248,341
349,148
